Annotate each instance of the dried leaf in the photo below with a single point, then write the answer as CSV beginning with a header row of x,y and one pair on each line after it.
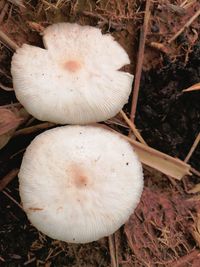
x,y
23,114
168,165
18,3
8,120
5,138
195,189
194,87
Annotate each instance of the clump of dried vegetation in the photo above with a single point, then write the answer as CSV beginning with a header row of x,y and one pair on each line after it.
x,y
165,229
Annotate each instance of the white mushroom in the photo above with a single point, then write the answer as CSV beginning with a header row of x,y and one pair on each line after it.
x,y
76,79
79,183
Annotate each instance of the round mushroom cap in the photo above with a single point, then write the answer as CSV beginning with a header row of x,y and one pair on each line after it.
x,y
76,79
79,183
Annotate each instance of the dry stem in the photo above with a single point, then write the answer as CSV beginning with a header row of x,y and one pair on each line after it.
x,y
194,87
195,144
133,128
34,128
114,25
8,178
185,259
140,60
3,12
197,173
12,199
185,26
7,41
112,251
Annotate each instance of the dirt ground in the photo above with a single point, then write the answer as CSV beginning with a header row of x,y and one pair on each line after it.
x,y
165,228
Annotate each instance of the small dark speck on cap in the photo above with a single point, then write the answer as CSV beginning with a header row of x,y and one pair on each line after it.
x,y
127,163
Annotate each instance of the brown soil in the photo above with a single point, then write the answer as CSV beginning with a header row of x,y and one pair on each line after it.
x,y
165,228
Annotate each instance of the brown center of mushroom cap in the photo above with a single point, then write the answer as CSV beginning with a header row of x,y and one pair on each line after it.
x,y
79,178
72,65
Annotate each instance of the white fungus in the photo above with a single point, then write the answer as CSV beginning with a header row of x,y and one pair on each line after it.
x,y
76,79
79,183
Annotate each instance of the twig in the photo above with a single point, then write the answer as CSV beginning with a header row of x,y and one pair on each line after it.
x,y
29,261
140,58
187,3
117,239
34,128
116,121
30,121
195,144
7,41
8,178
185,26
186,259
18,3
11,198
197,173
2,259
3,12
133,128
112,251
56,254
6,88
76,255
183,3
17,153
114,25
194,87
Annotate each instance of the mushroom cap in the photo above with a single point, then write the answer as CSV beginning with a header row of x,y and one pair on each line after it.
x,y
79,183
76,79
